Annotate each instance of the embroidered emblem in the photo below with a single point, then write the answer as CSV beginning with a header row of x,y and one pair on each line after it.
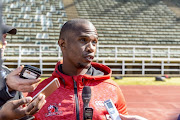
x,y
53,110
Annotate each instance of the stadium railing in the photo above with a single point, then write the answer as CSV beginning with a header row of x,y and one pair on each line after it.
x,y
122,59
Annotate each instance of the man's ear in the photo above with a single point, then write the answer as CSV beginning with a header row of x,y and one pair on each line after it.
x,y
61,43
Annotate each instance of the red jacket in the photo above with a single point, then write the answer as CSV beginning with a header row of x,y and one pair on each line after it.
x,y
61,103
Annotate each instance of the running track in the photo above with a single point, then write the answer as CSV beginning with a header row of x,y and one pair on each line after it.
x,y
153,102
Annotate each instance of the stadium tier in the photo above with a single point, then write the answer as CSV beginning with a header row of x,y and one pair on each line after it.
x,y
38,22
135,36
132,22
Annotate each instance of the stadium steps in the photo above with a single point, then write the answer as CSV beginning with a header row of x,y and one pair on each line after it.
x,y
70,9
137,22
119,22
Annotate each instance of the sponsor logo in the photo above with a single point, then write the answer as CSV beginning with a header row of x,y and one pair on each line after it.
x,y
53,110
99,103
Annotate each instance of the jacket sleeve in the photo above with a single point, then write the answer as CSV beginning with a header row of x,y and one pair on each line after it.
x,y
121,104
5,95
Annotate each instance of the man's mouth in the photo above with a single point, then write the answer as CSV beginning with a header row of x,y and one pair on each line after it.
x,y
89,58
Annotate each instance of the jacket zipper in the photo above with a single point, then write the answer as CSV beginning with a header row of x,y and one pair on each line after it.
x,y
76,99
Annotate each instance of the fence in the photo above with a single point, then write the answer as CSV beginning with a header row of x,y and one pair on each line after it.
x,y
122,60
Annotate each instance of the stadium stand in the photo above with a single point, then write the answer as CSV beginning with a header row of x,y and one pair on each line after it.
x,y
136,37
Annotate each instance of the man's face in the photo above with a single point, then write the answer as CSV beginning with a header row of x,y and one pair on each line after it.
x,y
80,46
4,43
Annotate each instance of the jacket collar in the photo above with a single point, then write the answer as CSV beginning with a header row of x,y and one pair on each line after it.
x,y
106,70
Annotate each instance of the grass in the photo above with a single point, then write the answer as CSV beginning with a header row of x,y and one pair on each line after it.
x,y
147,81
143,81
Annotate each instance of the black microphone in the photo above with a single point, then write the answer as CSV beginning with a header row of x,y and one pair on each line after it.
x,y
86,96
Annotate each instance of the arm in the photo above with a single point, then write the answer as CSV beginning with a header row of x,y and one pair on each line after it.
x,y
131,117
122,108
13,109
5,94
13,83
121,105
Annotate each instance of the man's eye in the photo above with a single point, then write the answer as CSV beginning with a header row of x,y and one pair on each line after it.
x,y
82,40
94,42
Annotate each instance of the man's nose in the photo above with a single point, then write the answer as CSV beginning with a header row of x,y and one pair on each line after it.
x,y
90,47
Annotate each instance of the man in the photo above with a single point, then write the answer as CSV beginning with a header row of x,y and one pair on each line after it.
x,y
78,41
12,109
12,85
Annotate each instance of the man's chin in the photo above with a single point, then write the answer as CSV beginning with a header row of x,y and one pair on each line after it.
x,y
84,65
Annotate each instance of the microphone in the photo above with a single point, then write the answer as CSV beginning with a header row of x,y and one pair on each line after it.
x,y
86,96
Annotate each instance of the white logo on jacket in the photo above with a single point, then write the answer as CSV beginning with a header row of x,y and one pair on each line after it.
x,y
99,103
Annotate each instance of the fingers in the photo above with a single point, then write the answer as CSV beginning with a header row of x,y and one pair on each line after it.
x,y
13,109
124,117
131,117
28,87
22,101
36,104
14,82
28,81
17,70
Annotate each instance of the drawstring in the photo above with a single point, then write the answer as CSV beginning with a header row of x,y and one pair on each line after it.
x,y
83,81
61,79
76,99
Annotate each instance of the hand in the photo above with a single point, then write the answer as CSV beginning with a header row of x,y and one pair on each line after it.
x,y
13,109
131,117
14,82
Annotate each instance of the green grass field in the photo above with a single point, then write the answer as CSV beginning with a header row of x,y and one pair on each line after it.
x,y
146,81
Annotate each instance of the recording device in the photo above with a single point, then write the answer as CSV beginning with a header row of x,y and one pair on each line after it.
x,y
49,88
30,72
110,107
86,96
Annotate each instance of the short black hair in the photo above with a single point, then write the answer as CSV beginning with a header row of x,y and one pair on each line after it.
x,y
72,25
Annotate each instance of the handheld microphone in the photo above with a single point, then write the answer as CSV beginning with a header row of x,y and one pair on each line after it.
x,y
86,96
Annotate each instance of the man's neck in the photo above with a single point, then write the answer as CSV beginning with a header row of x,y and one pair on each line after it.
x,y
73,71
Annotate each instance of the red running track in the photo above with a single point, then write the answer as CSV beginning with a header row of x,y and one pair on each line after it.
x,y
153,102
